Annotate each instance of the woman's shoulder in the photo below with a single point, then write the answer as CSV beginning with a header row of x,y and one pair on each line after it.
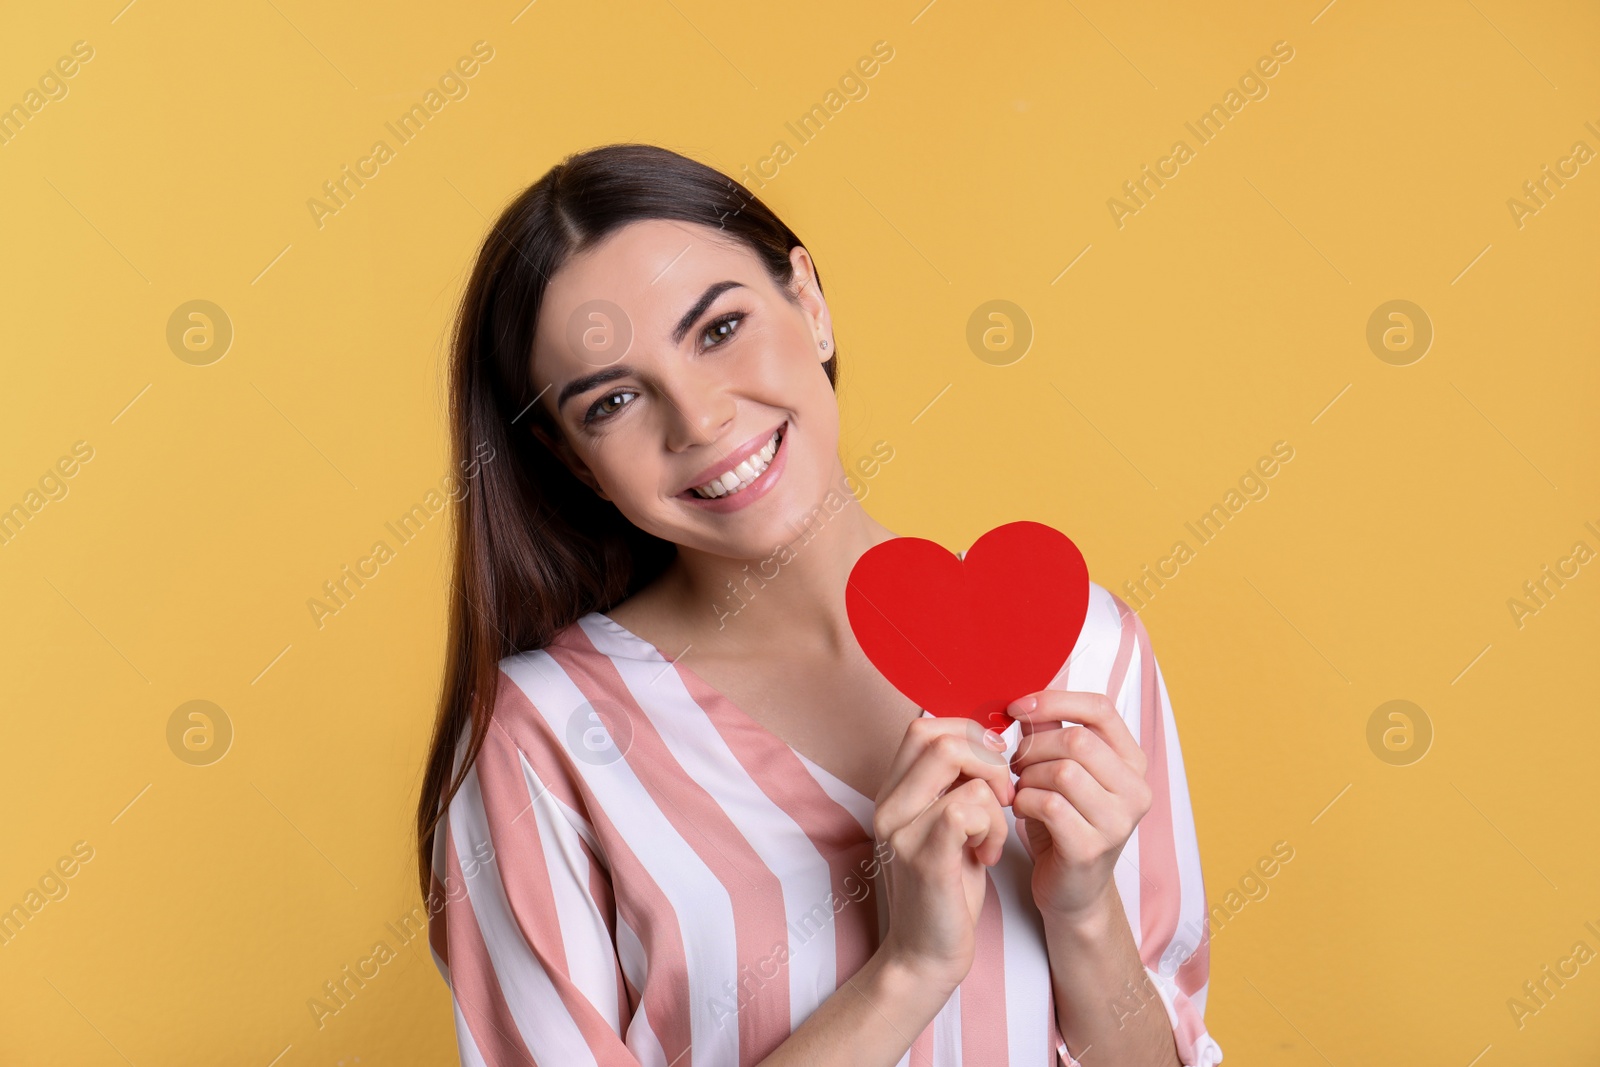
x,y
553,696
1108,616
588,638
1107,635
554,709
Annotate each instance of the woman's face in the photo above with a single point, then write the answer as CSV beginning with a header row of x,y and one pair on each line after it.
x,y
665,353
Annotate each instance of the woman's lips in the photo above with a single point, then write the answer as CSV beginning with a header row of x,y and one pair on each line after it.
x,y
756,489
733,459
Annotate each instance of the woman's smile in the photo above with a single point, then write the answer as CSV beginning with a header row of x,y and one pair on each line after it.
x,y
745,476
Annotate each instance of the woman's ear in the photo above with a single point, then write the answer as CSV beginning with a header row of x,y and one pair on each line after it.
x,y
808,292
564,453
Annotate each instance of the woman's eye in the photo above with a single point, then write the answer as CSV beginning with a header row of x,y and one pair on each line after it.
x,y
724,328
599,410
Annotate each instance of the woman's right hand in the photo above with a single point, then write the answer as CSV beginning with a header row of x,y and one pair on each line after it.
x,y
939,812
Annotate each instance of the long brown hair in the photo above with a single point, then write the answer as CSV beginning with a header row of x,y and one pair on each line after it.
x,y
535,549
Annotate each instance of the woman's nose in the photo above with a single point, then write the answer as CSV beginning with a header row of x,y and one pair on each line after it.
x,y
700,413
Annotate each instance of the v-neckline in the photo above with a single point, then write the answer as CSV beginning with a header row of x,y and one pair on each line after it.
x,y
743,715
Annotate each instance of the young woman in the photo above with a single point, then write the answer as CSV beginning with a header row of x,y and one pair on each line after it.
x,y
672,814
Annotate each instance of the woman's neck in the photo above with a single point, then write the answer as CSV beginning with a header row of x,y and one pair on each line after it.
x,y
727,606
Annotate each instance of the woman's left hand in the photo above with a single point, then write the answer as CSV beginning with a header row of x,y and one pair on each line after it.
x,y
1082,790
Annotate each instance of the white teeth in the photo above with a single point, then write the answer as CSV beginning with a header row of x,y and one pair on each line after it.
x,y
742,475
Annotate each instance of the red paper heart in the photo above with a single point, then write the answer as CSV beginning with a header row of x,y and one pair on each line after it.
x,y
966,636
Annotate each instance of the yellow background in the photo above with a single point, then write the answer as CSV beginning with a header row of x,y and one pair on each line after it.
x,y
1228,314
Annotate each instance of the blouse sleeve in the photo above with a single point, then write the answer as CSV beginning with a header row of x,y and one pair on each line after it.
x,y
1161,888
521,922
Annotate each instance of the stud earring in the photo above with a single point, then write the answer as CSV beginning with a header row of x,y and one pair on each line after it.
x,y
824,346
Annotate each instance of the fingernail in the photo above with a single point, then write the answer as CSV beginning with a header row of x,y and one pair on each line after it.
x,y
1022,705
994,740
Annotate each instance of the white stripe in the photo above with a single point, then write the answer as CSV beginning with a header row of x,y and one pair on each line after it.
x,y
583,927
1089,666
801,872
585,831
1028,992
643,1042
631,954
531,997
947,1032
1090,671
700,903
642,1039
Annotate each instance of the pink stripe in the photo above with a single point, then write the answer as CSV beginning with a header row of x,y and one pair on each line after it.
x,y
517,718
983,990
1196,970
828,825
633,997
922,1048
473,981
605,900
754,891
519,854
645,907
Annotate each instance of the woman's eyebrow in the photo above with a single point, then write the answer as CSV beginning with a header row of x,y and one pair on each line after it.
x,y
713,291
582,385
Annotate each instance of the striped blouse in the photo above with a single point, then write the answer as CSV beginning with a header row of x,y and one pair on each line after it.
x,y
635,872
